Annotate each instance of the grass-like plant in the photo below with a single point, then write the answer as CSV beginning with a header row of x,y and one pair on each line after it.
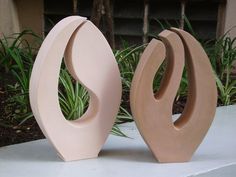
x,y
223,58
73,97
19,101
16,59
128,59
19,44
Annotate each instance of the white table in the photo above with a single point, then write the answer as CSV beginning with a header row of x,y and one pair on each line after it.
x,y
126,157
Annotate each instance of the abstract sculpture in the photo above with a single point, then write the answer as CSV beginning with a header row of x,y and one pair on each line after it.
x,y
173,142
90,60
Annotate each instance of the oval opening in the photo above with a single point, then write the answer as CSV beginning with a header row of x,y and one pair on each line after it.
x,y
158,79
181,96
73,97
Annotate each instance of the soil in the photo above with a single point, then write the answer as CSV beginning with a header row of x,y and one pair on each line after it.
x,y
10,130
18,134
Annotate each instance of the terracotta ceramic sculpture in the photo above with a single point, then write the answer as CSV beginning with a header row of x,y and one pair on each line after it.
x,y
91,61
173,142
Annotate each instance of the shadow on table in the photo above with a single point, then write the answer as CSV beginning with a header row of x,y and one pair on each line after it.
x,y
41,150
145,156
137,155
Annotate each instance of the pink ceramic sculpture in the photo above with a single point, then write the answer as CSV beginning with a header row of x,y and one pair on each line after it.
x,y
173,142
90,60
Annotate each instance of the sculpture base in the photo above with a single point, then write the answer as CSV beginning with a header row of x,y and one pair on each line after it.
x,y
216,156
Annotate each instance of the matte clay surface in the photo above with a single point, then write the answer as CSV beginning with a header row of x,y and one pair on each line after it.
x,y
173,142
91,61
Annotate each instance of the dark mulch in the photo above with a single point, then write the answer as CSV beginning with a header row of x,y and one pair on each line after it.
x,y
18,134
178,106
10,130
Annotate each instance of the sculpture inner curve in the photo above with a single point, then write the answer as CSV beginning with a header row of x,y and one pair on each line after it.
x,y
93,107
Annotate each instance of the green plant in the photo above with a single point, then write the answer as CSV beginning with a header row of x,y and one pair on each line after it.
x,y
18,43
128,59
223,56
16,59
20,100
73,97
123,116
226,92
16,56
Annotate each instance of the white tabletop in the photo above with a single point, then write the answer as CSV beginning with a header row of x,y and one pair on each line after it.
x,y
126,157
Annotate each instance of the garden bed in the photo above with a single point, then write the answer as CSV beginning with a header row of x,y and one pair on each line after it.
x,y
10,130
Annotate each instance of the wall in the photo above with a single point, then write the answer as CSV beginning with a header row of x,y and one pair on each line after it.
x,y
30,14
230,20
17,15
9,22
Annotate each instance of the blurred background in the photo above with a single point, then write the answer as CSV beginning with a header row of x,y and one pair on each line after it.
x,y
134,21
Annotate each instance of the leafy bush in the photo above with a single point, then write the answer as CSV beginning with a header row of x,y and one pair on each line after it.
x,y
223,57
16,59
17,44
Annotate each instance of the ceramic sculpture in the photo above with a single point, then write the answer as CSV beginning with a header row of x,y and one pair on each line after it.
x,y
173,142
90,60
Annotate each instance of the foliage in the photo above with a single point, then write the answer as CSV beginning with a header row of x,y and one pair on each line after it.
x,y
128,59
20,100
19,44
73,97
16,59
223,57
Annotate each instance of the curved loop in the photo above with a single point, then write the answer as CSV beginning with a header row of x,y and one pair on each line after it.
x,y
173,142
91,61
